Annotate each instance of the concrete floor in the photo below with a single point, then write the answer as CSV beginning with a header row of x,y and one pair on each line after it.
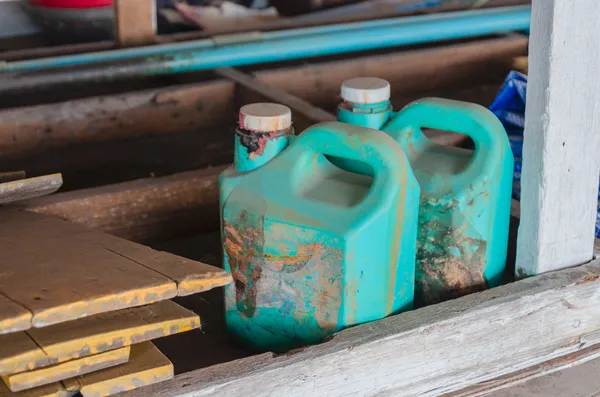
x,y
580,381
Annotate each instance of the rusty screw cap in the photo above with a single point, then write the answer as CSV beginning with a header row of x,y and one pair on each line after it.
x,y
265,117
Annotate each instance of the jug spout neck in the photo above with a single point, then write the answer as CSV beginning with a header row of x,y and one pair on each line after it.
x,y
264,131
254,149
365,102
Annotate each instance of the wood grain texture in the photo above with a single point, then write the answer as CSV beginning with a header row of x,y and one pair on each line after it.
x,y
145,210
427,352
24,189
53,390
112,330
59,279
561,164
146,366
505,385
19,352
14,317
190,276
56,373
135,21
41,347
577,381
193,107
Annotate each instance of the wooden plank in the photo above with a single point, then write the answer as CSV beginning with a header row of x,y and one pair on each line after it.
x,y
195,107
41,377
13,317
561,167
60,281
53,390
19,352
503,385
40,347
144,210
146,366
427,352
135,21
29,188
162,111
304,114
190,276
581,380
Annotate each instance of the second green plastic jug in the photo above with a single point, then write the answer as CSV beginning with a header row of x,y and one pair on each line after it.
x,y
465,196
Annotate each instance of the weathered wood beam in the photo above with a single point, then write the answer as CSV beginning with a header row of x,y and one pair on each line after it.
x,y
560,154
117,117
24,189
537,371
146,210
249,89
427,352
193,107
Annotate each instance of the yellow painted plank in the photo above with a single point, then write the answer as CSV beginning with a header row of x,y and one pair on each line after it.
x,y
92,335
13,317
192,277
69,369
60,278
52,390
18,353
146,366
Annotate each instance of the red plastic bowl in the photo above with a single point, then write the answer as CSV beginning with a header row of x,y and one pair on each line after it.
x,y
73,4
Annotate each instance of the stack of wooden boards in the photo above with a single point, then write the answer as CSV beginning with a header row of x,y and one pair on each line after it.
x,y
78,308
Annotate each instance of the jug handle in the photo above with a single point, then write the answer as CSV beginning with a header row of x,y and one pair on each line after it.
x,y
378,150
475,121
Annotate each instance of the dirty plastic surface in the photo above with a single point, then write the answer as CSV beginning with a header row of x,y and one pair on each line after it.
x,y
314,249
465,198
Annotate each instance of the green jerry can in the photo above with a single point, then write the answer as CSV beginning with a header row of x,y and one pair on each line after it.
x,y
465,195
312,248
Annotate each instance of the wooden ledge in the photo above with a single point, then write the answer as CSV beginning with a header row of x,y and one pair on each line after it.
x,y
427,352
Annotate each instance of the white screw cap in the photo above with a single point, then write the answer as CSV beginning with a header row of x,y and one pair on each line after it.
x,y
366,90
265,117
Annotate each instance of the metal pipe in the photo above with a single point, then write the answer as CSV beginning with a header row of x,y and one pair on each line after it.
x,y
328,40
197,45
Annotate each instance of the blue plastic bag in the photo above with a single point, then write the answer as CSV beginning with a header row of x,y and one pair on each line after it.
x,y
509,107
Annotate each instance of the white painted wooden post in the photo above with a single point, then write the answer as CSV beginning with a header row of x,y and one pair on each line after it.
x,y
562,137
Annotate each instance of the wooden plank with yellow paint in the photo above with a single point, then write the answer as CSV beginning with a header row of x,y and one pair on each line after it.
x,y
56,373
146,366
52,390
192,277
61,272
19,352
39,347
13,317
59,278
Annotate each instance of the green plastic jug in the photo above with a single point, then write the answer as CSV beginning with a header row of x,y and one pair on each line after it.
x,y
465,196
312,248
